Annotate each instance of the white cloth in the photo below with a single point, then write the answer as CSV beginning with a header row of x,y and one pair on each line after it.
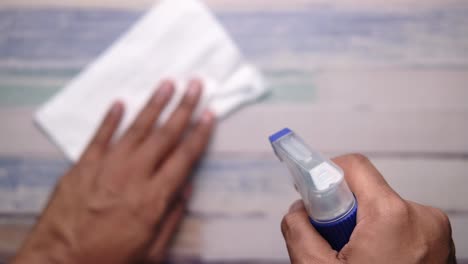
x,y
179,39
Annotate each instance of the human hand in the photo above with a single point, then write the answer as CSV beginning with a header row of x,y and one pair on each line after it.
x,y
389,229
122,202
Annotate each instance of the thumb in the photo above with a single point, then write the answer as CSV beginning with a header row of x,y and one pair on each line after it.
x,y
305,245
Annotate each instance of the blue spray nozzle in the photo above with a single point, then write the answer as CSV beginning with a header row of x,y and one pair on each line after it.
x,y
279,134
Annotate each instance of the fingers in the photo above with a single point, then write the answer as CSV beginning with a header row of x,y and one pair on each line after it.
x,y
146,119
304,243
100,142
162,140
173,174
158,250
364,180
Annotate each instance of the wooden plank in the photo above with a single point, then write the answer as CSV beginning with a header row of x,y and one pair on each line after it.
x,y
328,129
345,130
228,239
460,235
248,185
256,185
19,135
435,182
255,238
235,196
393,89
239,5
408,112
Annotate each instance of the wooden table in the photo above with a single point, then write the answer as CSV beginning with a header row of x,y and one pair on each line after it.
x,y
386,79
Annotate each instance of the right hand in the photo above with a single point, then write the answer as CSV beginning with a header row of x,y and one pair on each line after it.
x,y
389,229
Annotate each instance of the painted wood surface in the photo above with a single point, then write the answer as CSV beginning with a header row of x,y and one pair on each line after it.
x,y
350,76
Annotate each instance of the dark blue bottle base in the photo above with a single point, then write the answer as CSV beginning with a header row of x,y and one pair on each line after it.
x,y
337,233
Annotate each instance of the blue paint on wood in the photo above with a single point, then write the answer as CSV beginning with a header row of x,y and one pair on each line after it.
x,y
30,172
74,34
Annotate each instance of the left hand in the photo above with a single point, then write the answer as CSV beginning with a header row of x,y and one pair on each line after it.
x,y
122,201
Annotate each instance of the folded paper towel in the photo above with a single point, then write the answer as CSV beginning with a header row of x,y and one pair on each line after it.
x,y
179,39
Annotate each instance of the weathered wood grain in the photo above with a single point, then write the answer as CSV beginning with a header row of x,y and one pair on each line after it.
x,y
331,129
238,196
366,76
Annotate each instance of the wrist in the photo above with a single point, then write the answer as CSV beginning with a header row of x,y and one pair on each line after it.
x,y
42,256
41,248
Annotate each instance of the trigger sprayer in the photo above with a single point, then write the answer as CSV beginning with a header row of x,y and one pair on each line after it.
x,y
329,202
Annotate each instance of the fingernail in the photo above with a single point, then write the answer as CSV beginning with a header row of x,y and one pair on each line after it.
x,y
194,89
164,92
207,117
117,108
297,205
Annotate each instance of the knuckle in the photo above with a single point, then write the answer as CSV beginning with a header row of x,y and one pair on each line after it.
x,y
106,123
91,156
288,223
203,133
87,164
396,207
358,158
284,226
442,217
191,151
101,137
99,140
166,134
186,104
399,207
137,128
